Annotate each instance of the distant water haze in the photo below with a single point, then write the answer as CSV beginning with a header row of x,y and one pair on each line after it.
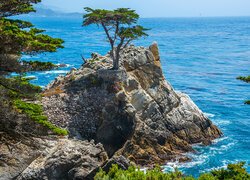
x,y
160,8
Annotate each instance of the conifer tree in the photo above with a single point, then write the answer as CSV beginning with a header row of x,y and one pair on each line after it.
x,y
18,37
120,27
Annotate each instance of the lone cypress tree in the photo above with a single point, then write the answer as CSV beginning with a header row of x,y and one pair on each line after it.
x,y
120,27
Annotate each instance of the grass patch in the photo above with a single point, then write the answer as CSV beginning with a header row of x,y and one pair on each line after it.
x,y
35,112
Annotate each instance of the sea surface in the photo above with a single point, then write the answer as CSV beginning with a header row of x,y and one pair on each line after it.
x,y
200,56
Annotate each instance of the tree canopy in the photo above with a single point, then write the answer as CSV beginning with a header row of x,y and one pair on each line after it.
x,y
16,7
119,25
18,37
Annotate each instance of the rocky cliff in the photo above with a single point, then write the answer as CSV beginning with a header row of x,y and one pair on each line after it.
x,y
132,111
113,116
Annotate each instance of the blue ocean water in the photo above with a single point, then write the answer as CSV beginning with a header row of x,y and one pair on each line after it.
x,y
200,56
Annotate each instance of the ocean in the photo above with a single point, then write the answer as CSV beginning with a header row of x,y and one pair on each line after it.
x,y
200,56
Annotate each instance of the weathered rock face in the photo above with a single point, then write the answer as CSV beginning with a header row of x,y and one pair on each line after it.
x,y
67,159
133,111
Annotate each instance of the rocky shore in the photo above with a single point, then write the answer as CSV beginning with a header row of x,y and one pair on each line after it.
x,y
130,115
133,111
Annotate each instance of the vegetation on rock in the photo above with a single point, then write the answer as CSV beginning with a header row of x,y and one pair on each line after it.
x,y
35,113
233,172
120,26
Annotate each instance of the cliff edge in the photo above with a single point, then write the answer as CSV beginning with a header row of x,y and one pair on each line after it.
x,y
132,111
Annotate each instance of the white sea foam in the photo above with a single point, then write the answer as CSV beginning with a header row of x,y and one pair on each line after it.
x,y
32,77
55,72
222,148
220,139
203,155
66,65
223,122
209,115
196,160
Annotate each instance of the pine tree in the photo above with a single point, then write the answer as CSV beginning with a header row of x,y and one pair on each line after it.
x,y
18,37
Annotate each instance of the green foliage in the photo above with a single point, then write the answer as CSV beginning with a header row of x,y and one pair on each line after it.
x,y
37,66
19,87
120,26
246,79
16,7
134,173
247,102
233,172
35,112
19,37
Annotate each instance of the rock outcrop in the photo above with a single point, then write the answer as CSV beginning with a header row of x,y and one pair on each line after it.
x,y
67,159
132,111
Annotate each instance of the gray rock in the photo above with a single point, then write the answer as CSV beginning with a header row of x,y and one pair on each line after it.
x,y
67,159
133,112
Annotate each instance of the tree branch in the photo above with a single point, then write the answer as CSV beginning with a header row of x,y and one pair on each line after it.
x,y
108,35
125,45
116,30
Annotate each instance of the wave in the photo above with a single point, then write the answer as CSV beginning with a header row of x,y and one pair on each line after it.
x,y
223,122
209,115
203,156
55,72
31,77
65,65
220,139
196,160
222,148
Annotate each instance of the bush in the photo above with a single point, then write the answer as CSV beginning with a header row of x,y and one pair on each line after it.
x,y
233,172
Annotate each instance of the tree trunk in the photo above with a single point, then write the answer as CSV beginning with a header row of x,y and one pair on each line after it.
x,y
116,59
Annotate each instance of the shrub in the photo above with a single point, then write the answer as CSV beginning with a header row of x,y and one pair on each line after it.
x,y
233,172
